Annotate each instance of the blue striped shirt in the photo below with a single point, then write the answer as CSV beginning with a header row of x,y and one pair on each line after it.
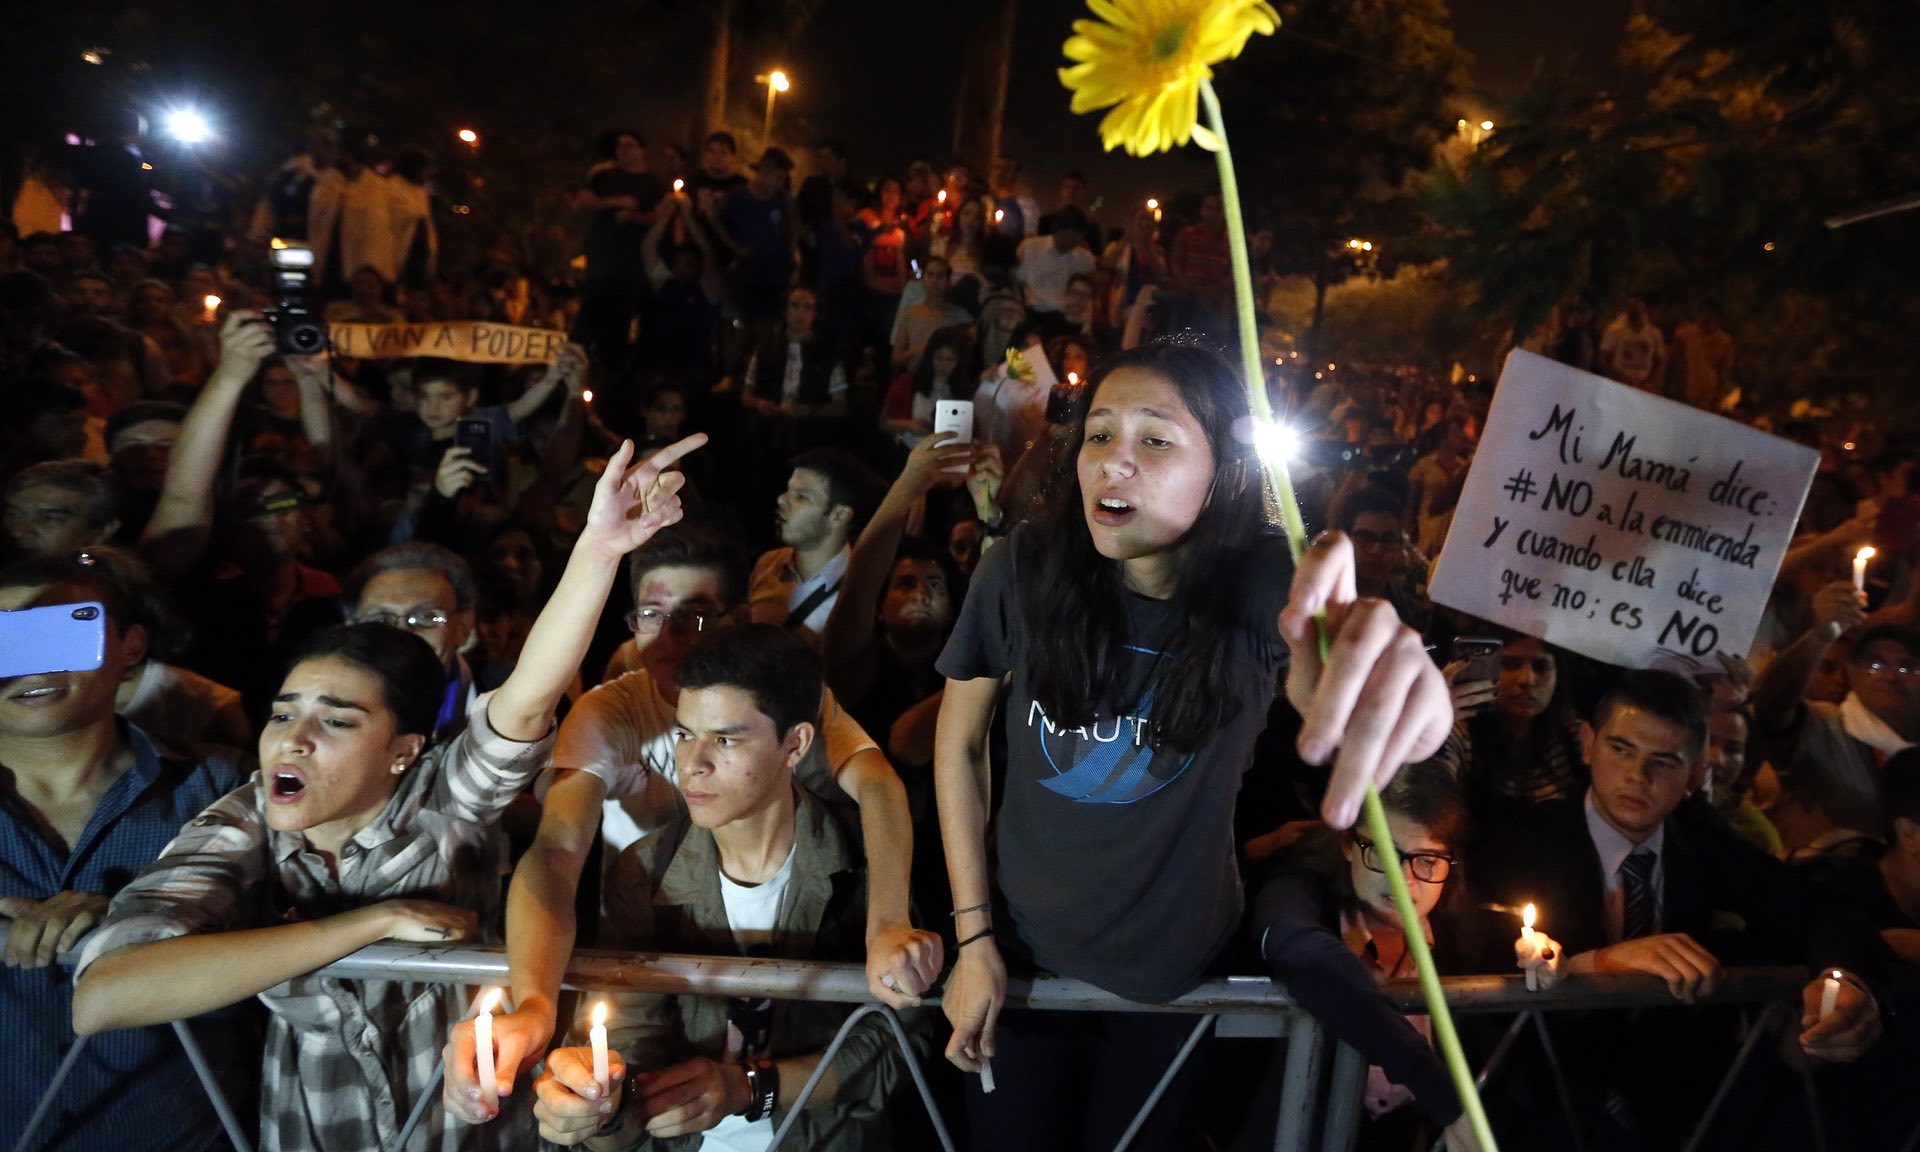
x,y
133,1089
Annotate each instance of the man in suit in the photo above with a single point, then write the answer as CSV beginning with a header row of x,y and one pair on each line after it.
x,y
1629,879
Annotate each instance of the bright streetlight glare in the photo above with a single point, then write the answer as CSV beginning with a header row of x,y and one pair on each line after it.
x,y
778,80
188,126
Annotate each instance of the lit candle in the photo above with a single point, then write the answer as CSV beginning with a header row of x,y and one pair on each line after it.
x,y
999,215
209,308
1860,559
587,395
598,1037
679,186
1830,994
483,1047
1073,379
1529,948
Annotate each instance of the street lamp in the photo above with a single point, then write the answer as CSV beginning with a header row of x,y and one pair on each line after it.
x,y
776,82
188,126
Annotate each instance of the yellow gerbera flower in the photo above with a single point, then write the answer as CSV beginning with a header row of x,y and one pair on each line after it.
x,y
1149,57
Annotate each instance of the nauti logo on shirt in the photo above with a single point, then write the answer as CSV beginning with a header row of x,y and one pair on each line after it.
x,y
1109,761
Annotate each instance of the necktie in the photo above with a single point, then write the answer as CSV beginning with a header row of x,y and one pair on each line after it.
x,y
1636,886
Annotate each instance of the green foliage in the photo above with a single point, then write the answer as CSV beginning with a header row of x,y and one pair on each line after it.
x,y
1743,126
1329,116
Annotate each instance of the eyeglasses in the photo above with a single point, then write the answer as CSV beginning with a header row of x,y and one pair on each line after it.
x,y
649,621
1429,867
1882,666
1367,541
413,619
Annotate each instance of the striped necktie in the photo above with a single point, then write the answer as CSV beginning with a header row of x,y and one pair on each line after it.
x,y
1636,886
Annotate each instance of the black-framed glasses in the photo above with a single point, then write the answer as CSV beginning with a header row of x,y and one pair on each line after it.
x,y
413,619
649,621
1428,867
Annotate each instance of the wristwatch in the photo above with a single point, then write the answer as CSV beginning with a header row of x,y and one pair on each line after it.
x,y
763,1088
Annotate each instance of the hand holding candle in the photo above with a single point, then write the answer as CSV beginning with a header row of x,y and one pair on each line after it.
x,y
598,1038
1535,952
483,1057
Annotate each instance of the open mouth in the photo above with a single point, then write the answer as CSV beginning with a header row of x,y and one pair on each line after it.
x,y
1112,511
38,692
286,786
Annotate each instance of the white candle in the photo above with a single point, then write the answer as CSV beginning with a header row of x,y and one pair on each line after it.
x,y
1860,559
986,1076
483,1047
1529,948
209,308
598,1038
679,186
1830,994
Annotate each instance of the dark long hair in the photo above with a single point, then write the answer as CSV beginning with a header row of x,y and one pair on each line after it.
x,y
1074,606
952,337
413,684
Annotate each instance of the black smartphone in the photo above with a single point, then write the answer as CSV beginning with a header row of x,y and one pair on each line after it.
x,y
1482,655
476,436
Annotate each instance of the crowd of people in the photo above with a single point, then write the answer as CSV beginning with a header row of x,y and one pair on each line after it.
x,y
702,639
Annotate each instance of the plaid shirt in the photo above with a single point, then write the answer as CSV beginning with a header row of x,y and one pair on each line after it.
x,y
346,1059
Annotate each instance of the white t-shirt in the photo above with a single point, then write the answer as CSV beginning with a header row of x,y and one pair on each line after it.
x,y
622,732
1045,270
752,912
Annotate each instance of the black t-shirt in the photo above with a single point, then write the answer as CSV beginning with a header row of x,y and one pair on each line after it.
x,y
608,237
1117,861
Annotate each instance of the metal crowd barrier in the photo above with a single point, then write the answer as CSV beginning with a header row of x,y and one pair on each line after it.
x,y
1237,1005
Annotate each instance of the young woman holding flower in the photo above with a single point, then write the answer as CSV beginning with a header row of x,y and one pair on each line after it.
x,y
1139,630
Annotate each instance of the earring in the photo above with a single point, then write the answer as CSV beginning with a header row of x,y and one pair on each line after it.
x,y
399,766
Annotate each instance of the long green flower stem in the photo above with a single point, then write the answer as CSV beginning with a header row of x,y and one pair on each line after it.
x,y
1376,815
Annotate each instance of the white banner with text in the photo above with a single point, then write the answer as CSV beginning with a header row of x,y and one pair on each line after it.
x,y
1618,524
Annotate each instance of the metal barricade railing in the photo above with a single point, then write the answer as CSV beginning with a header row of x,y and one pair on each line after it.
x,y
1246,1005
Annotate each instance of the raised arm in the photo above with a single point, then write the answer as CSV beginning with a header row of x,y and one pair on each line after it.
x,y
183,519
630,504
1777,695
572,361
847,644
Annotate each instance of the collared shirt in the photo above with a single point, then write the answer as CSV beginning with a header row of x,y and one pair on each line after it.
x,y
623,733
1383,1095
777,588
1614,848
345,1059
101,1106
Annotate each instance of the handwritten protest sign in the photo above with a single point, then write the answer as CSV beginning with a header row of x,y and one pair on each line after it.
x,y
472,341
1618,524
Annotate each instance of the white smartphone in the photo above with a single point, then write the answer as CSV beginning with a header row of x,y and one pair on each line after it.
x,y
955,416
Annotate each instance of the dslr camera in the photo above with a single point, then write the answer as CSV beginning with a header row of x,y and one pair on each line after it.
x,y
299,329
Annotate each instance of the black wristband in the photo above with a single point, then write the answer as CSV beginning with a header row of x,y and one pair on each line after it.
x,y
763,1088
980,935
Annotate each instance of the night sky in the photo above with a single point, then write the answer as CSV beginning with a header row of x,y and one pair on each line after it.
x,y
907,95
